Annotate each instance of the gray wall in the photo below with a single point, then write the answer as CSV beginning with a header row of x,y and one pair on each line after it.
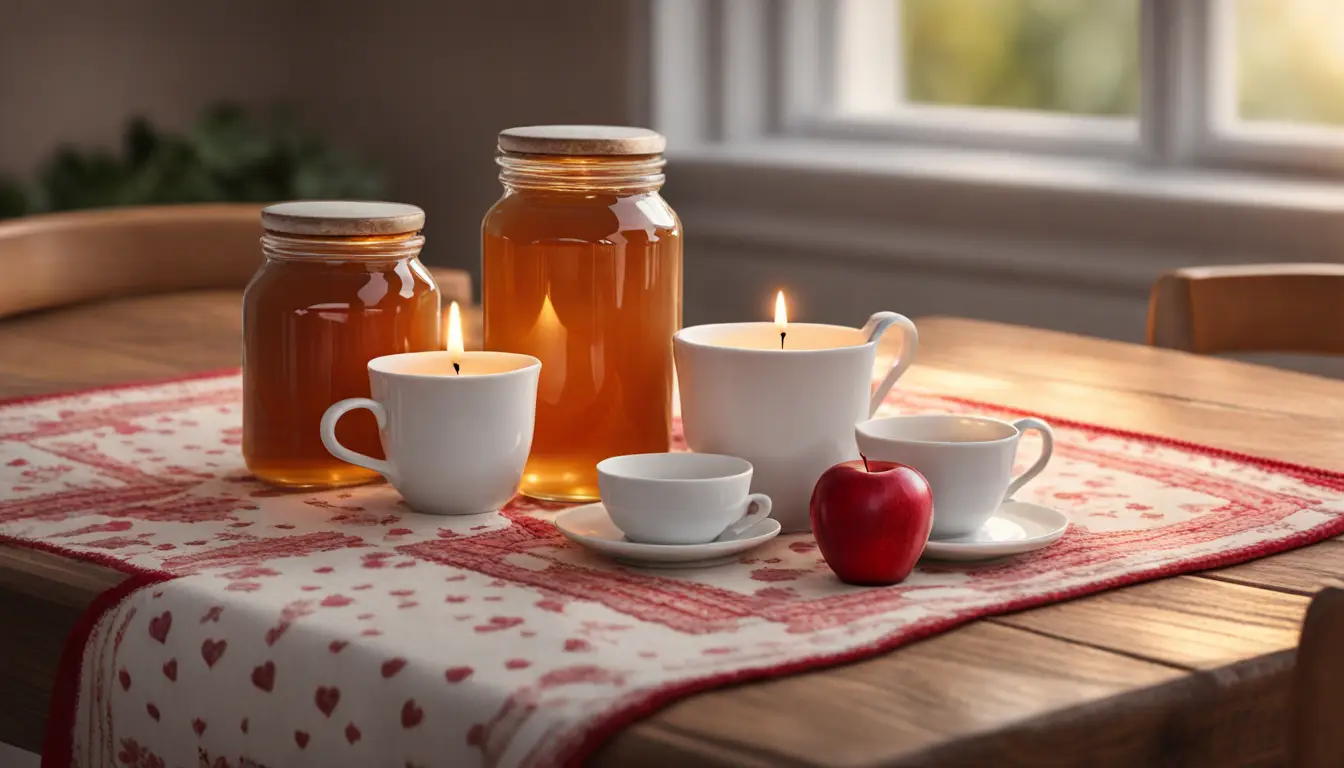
x,y
419,86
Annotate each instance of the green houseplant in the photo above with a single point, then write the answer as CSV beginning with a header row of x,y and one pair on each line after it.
x,y
228,155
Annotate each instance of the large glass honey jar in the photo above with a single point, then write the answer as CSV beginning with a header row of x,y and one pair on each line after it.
x,y
582,270
341,284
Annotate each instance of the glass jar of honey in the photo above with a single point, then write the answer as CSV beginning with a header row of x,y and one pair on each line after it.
x,y
341,284
582,270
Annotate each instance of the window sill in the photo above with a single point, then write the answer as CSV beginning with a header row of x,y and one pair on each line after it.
x,y
1108,222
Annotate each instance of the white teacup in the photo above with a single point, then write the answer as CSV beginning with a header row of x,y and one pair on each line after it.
x,y
455,443
679,498
790,412
968,461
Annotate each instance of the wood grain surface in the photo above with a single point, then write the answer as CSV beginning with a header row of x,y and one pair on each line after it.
x,y
1193,670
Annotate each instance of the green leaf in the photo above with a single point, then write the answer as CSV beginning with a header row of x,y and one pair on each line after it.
x,y
228,155
13,201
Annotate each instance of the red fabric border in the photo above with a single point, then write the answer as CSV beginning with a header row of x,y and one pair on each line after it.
x,y
58,743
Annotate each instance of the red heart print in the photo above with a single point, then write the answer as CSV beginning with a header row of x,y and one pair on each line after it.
x,y
802,546
153,711
457,674
371,632
264,676
352,733
324,569
393,666
211,650
159,626
499,622
170,669
274,633
198,725
408,604
213,614
327,699
575,644
336,601
337,645
124,678
301,738
399,532
554,606
362,587
243,725
517,664
402,592
455,599
411,714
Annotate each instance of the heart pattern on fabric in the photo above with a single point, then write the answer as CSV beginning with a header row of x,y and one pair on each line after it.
x,y
263,676
494,640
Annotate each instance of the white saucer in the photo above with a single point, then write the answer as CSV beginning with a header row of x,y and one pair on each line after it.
x,y
591,527
1017,527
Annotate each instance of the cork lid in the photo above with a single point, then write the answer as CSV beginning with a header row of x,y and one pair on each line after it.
x,y
342,218
581,140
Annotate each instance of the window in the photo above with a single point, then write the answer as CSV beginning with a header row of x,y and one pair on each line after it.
x,y
1250,84
1290,61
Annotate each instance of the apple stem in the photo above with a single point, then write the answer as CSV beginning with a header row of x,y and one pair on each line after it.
x,y
865,463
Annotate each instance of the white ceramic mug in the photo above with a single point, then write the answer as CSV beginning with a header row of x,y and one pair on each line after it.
x,y
455,443
790,412
968,461
679,498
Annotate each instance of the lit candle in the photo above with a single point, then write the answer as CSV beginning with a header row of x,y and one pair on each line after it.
x,y
456,349
781,318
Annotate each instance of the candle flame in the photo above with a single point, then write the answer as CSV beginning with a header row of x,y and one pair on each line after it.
x,y
455,345
781,313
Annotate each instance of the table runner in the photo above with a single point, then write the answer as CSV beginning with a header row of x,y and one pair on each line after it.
x,y
265,628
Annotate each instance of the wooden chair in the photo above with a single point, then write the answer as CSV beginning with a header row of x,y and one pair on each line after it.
x,y
1318,688
60,259
1249,308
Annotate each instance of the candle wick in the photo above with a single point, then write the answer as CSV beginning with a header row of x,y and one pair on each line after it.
x,y
457,369
865,463
782,334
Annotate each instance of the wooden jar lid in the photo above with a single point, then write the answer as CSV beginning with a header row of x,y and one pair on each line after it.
x,y
342,218
582,140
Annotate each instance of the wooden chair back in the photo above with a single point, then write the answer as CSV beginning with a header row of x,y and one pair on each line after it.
x,y
54,260
58,259
1249,308
1318,685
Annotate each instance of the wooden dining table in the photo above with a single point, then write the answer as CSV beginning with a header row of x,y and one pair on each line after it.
x,y
1194,670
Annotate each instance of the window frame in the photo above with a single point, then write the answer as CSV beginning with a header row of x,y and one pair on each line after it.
x,y
726,71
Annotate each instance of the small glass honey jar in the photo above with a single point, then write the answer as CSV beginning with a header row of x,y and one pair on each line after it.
x,y
582,270
341,284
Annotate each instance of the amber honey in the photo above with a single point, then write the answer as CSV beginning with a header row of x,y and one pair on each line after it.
x,y
582,270
313,316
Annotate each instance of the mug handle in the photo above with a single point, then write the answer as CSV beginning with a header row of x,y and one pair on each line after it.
x,y
761,504
1047,448
873,330
328,431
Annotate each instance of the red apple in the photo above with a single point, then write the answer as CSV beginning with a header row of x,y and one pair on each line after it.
x,y
871,521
